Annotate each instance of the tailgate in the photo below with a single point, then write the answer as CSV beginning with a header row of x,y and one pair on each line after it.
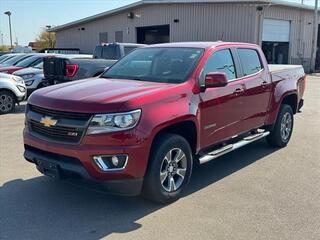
x,y
54,68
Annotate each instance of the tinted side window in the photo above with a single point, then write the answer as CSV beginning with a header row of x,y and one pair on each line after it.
x,y
220,61
250,61
110,52
97,52
128,49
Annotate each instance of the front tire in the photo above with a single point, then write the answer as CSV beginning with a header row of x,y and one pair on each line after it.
x,y
282,130
169,170
7,102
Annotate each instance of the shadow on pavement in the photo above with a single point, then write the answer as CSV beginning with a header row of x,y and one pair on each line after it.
x,y
41,208
21,108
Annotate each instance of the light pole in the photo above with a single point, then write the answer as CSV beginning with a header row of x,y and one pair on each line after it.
x,y
314,37
1,35
9,15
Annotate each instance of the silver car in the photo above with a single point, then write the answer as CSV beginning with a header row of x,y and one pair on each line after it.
x,y
12,91
33,77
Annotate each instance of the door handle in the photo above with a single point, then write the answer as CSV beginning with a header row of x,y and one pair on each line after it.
x,y
238,91
264,84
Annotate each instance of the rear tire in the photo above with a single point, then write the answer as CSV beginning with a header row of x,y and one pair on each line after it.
x,y
282,130
169,170
7,102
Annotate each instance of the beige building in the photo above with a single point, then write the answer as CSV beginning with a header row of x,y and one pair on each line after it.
x,y
284,30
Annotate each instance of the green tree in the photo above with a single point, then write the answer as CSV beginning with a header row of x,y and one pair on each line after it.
x,y
46,39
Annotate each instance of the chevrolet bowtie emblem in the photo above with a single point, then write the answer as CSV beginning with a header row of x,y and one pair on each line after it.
x,y
48,121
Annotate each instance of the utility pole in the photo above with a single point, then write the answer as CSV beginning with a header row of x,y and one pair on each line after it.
x,y
9,15
1,35
314,37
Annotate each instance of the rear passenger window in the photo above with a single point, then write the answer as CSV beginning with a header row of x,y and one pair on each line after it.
x,y
220,61
110,52
250,61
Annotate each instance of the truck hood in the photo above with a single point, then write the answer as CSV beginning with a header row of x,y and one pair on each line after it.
x,y
95,95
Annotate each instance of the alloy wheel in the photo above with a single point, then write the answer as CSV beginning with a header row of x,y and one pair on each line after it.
x,y
6,103
286,126
173,170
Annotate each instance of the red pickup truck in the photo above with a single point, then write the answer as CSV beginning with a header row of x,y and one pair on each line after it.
x,y
142,125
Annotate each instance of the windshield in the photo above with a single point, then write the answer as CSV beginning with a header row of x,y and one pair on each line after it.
x,y
14,60
39,65
166,65
4,58
28,61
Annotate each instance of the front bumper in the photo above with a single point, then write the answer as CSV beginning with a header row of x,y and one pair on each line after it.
x,y
76,161
63,167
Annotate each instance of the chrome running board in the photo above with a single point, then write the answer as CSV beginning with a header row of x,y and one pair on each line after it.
x,y
231,147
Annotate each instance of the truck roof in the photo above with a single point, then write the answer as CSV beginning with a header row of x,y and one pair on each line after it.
x,y
204,45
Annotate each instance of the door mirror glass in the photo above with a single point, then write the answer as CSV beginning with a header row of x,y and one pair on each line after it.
x,y
215,79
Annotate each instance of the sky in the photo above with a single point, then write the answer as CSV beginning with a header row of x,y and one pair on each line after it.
x,y
29,16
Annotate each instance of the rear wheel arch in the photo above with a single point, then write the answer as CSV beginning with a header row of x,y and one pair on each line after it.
x,y
290,99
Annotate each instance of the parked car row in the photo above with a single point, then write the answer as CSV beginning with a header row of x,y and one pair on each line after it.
x,y
68,68
40,70
21,74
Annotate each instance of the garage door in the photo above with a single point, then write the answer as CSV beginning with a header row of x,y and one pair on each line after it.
x,y
276,30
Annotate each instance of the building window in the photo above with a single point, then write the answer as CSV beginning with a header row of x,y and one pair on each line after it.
x,y
103,37
118,36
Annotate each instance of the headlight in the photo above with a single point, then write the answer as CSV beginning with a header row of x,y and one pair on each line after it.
x,y
29,83
104,123
17,79
27,76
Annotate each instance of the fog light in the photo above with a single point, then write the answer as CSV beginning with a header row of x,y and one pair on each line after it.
x,y
115,160
111,162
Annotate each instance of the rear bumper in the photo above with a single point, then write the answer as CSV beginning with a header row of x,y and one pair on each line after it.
x,y
64,167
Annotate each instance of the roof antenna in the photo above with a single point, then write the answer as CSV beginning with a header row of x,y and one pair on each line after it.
x,y
222,35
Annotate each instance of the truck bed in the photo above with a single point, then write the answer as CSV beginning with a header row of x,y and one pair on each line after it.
x,y
283,67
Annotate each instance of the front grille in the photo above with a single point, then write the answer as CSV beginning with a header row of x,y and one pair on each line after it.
x,y
64,134
59,114
70,127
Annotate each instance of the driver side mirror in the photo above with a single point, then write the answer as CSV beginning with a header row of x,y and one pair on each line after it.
x,y
215,79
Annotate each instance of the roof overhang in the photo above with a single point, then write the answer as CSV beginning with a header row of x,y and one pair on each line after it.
x,y
146,2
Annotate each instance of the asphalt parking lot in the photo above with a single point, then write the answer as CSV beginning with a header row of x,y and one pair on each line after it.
x,y
256,192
